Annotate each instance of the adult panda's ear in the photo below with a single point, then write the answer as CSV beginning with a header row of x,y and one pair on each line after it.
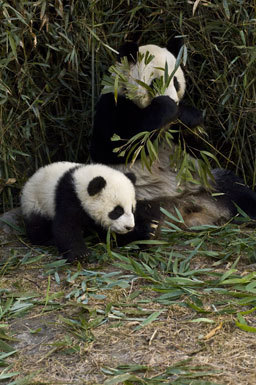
x,y
131,176
175,43
130,50
96,185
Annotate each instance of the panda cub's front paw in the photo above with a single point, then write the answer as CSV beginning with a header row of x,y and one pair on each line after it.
x,y
77,255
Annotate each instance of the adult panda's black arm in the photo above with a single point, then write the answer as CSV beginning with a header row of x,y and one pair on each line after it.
x,y
126,119
189,117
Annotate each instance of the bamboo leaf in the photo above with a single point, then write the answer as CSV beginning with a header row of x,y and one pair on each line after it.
x,y
153,317
245,327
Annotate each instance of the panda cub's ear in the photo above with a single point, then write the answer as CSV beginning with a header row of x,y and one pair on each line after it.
x,y
130,50
131,176
96,185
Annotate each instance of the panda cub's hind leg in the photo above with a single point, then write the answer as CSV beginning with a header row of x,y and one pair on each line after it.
x,y
39,229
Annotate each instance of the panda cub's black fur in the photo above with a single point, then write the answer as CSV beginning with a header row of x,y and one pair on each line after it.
x,y
63,200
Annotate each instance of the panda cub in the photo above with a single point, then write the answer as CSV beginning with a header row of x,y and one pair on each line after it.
x,y
62,200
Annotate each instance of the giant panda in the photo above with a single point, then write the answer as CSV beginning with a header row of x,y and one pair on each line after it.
x,y
64,199
127,117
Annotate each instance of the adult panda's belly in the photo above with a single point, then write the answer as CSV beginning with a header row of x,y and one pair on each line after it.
x,y
161,181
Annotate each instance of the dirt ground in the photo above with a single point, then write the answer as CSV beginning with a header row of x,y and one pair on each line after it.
x,y
230,351
61,341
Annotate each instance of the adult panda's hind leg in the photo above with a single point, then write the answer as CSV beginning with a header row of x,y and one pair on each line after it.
x,y
197,209
233,193
38,229
216,207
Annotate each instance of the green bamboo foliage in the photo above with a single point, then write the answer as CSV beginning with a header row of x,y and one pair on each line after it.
x,y
142,146
54,55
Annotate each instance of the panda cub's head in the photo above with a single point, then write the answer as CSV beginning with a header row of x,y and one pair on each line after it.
x,y
148,64
109,197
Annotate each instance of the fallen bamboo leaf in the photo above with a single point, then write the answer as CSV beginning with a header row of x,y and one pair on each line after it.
x,y
213,331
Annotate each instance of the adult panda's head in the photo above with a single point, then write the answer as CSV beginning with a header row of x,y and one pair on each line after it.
x,y
107,195
148,63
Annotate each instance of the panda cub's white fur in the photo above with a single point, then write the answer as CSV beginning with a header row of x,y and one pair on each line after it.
x,y
63,199
38,194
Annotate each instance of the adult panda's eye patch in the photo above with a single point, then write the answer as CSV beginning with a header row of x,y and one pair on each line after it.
x,y
176,84
116,212
153,83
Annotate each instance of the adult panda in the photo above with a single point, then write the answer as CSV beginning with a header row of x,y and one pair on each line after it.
x,y
63,200
126,117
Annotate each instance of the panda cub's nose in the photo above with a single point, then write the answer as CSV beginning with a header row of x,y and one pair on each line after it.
x,y
129,228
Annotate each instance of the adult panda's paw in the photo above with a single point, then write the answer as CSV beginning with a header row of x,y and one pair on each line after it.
x,y
147,231
147,219
154,225
164,107
190,116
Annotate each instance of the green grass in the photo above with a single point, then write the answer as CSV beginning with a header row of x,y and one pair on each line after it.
x,y
181,373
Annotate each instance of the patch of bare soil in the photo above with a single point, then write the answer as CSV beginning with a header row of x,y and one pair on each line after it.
x,y
173,339
158,346
56,351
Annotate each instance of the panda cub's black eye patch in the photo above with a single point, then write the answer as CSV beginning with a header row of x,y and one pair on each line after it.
x,y
116,213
